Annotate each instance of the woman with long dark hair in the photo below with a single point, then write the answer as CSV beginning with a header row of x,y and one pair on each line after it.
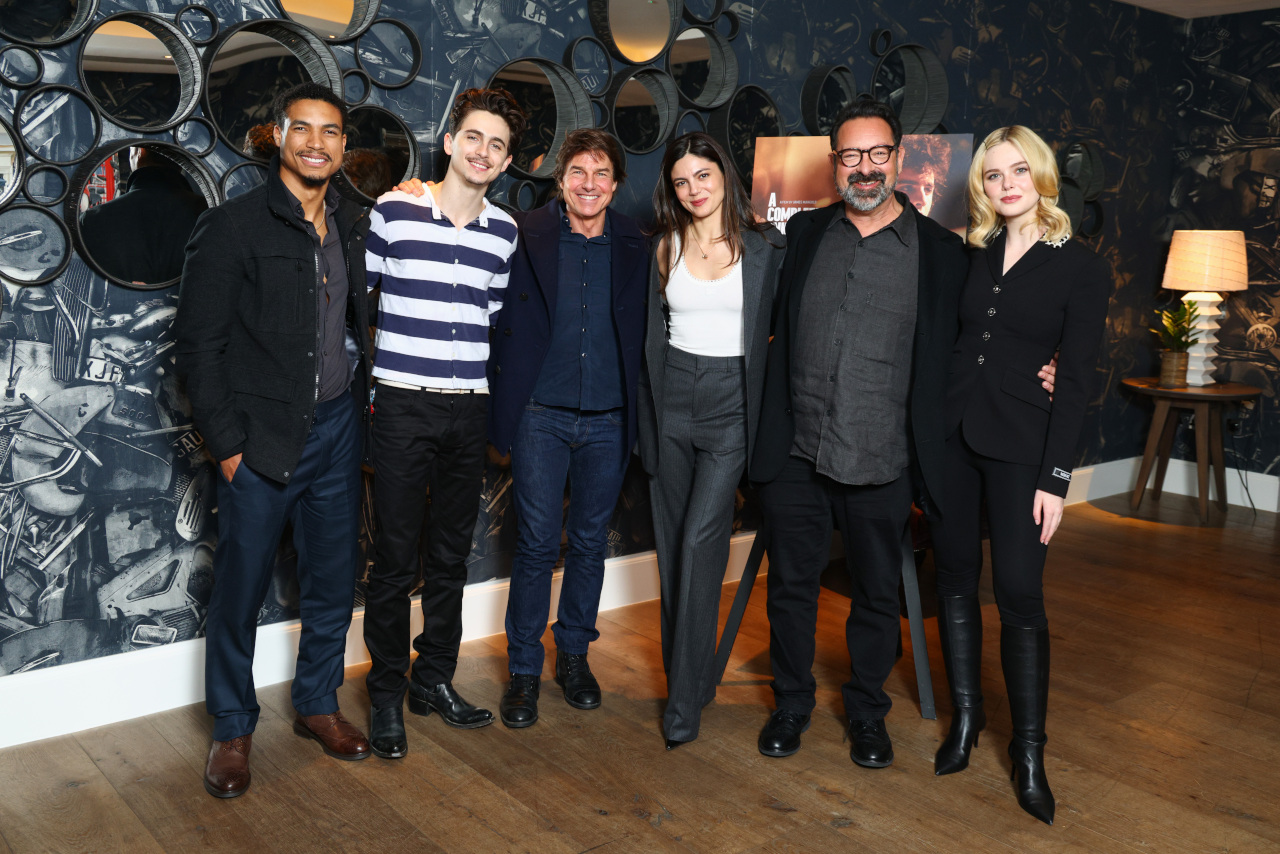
x,y
1030,291
711,294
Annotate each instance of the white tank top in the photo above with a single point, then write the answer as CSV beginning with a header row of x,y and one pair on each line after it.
x,y
706,316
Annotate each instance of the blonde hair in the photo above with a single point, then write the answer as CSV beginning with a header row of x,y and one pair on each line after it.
x,y
984,222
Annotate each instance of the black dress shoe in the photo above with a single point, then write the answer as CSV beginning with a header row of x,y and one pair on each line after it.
x,y
441,698
781,735
519,706
573,674
673,743
871,745
386,732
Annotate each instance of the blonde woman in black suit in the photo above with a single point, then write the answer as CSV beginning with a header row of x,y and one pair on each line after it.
x,y
711,294
1030,291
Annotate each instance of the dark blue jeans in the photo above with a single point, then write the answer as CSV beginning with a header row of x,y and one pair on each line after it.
x,y
551,445
322,499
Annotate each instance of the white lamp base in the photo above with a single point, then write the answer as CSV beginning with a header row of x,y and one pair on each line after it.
x,y
1200,355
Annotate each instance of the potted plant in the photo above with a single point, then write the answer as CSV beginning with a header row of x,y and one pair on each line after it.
x,y
1177,333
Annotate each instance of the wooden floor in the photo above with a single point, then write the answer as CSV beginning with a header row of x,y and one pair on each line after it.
x,y
1164,736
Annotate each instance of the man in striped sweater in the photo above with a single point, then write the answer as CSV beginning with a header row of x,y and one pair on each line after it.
x,y
442,260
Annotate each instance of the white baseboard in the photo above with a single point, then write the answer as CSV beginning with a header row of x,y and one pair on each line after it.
x,y
1121,476
86,694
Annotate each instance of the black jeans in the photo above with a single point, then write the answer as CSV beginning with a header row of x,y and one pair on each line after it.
x,y
427,446
800,505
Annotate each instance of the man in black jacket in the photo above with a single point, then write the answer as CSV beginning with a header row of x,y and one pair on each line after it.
x,y
273,344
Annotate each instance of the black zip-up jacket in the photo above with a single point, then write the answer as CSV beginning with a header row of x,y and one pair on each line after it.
x,y
248,329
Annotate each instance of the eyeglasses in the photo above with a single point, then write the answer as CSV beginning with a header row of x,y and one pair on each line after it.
x,y
879,154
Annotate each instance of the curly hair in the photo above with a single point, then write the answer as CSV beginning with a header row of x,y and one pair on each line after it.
x,y
984,222
500,102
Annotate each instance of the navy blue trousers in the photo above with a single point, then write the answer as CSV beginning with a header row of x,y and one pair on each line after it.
x,y
322,499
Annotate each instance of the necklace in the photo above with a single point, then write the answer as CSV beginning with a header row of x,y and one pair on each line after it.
x,y
699,243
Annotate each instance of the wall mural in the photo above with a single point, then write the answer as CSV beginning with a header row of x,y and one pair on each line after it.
x,y
106,517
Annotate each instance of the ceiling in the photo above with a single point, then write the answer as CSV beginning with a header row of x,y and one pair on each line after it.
x,y
1204,8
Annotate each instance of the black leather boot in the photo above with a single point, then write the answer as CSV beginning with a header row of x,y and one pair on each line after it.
x,y
386,732
1024,655
960,630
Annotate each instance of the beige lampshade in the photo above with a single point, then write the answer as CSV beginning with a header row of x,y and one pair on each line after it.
x,y
1207,261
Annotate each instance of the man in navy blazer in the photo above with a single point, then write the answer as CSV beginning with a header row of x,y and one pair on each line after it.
x,y
563,372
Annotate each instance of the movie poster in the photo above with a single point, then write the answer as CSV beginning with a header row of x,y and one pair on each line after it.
x,y
793,174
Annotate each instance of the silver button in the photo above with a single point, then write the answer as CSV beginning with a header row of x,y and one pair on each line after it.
x,y
286,474
981,359
996,289
990,312
986,336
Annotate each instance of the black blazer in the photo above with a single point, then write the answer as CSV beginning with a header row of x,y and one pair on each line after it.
x,y
525,322
760,263
1010,326
247,330
942,267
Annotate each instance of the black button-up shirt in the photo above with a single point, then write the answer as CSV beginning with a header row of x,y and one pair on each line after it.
x,y
335,365
583,366
851,365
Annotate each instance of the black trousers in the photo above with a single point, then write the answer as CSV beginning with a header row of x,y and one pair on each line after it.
x,y
1017,555
427,446
800,506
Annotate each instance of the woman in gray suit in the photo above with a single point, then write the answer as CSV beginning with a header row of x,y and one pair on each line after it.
x,y
710,299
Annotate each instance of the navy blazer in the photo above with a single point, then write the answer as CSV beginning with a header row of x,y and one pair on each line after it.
x,y
528,313
941,274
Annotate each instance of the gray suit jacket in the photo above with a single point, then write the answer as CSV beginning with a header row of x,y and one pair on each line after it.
x,y
760,262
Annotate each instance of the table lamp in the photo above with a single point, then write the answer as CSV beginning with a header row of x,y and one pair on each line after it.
x,y
1206,264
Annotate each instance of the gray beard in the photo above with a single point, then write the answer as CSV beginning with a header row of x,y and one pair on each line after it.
x,y
862,200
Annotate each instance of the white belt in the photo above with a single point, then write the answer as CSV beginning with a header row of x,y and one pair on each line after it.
x,y
409,387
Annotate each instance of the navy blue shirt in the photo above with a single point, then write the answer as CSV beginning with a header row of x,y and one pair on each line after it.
x,y
583,367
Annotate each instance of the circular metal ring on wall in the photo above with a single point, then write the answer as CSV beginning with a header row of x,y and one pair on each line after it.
x,y
750,113
415,63
1082,163
192,166
356,74
63,132
199,121
572,110
368,126
522,195
666,103
642,45
602,115
226,184
880,42
824,84
25,232
923,85
33,193
19,168
732,23
690,121
209,16
707,18
1091,226
84,13
30,58
363,15
593,78
722,71
183,53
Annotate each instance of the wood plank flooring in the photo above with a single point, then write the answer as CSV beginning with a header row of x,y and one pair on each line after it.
x,y
1164,736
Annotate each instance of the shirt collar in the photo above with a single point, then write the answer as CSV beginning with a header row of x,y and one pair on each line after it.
x,y
566,228
331,199
903,225
435,209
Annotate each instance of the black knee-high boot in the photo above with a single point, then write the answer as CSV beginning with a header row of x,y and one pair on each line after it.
x,y
1024,655
960,629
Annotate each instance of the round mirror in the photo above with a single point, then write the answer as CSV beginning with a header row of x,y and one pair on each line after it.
x,y
727,24
196,136
748,114
600,113
57,124
355,86
703,11
826,90
45,23
142,73
635,32
136,208
556,104
46,185
247,73
242,178
10,164
34,245
197,23
704,67
644,107
20,67
590,61
336,20
379,144
911,80
390,54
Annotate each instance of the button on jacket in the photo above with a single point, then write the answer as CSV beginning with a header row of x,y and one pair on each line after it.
x,y
248,329
1053,299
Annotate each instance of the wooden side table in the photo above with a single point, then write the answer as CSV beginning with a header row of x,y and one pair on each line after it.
x,y
1206,402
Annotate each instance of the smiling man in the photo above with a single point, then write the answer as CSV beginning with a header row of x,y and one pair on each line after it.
x,y
564,371
442,256
273,342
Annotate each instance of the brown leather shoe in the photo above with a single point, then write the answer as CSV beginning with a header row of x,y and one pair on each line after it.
x,y
336,735
226,775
